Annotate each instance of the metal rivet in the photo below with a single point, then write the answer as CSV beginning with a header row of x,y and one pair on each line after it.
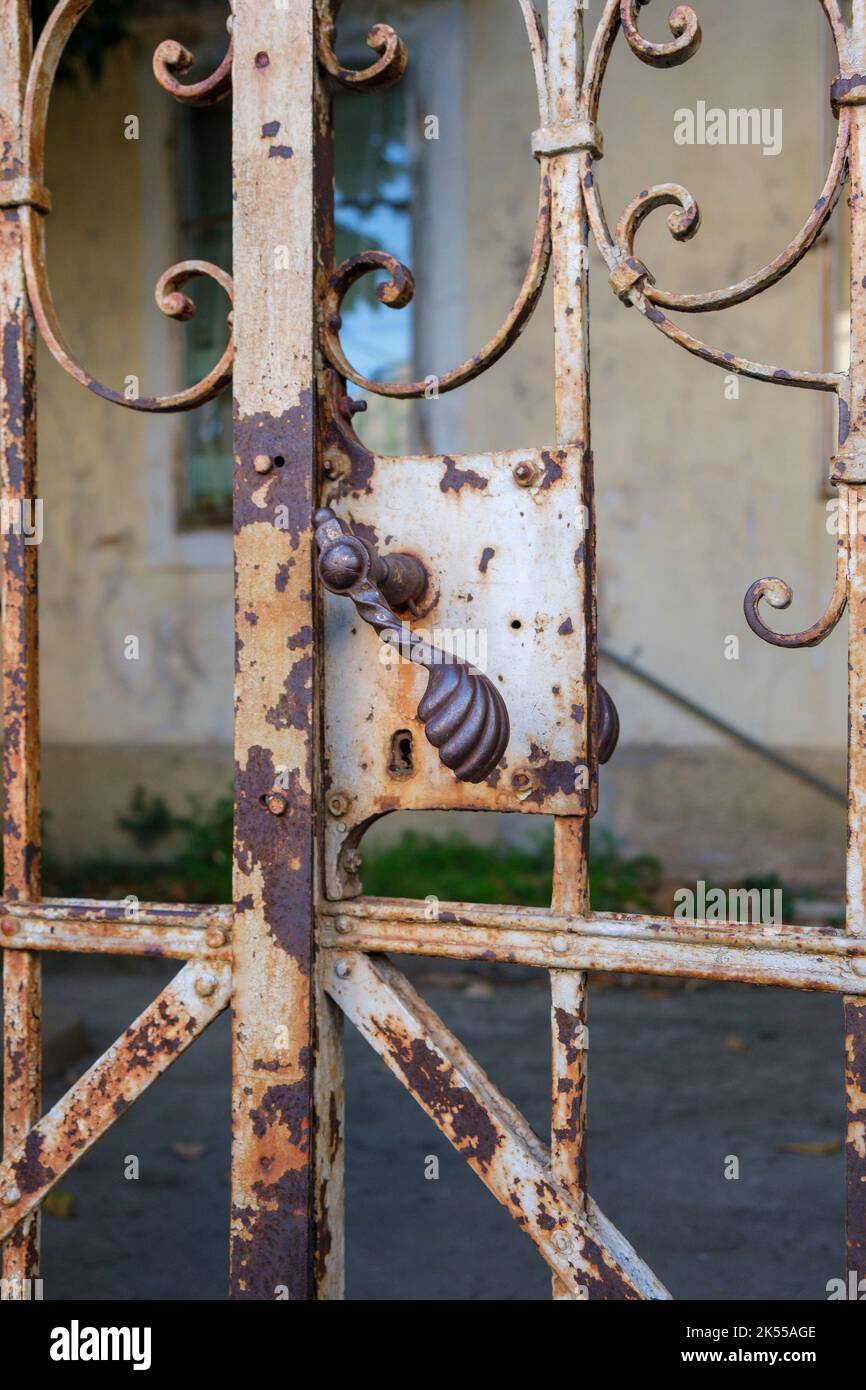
x,y
338,803
522,783
7,925
561,1240
276,803
858,965
11,1196
333,467
205,986
343,969
343,926
559,943
215,937
262,464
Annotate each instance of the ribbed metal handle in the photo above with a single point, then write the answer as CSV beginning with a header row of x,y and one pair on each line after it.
x,y
464,715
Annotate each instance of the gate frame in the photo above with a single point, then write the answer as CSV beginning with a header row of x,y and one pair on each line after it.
x,y
290,380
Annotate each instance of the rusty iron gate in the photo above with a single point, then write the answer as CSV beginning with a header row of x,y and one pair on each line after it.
x,y
317,712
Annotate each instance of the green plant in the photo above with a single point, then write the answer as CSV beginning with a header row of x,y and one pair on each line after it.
x,y
453,867
461,870
148,819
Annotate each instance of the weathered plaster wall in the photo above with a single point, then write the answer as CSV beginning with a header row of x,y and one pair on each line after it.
x,y
112,564
697,495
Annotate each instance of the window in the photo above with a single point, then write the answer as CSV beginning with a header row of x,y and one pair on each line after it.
x,y
372,211
372,197
206,234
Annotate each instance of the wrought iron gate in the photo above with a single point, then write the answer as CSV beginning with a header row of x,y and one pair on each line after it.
x,y
317,713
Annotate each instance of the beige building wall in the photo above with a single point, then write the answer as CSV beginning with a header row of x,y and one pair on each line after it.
x,y
698,495
113,564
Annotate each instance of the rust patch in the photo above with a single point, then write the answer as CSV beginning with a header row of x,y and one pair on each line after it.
x,y
454,478
30,1173
552,469
434,1082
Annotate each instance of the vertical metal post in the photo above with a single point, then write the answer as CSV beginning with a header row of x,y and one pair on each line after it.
x,y
21,971
328,1107
571,833
853,449
272,1188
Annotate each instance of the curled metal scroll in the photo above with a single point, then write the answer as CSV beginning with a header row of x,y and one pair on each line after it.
x,y
387,68
779,594
397,291
684,26
630,277
171,58
169,298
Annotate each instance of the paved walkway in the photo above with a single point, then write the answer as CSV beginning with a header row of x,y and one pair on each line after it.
x,y
679,1081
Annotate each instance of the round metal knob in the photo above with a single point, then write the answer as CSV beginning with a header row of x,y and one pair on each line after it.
x,y
342,564
607,725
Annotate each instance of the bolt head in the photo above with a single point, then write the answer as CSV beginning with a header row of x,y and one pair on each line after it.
x,y
276,803
262,464
205,986
521,780
338,803
343,969
561,1240
524,473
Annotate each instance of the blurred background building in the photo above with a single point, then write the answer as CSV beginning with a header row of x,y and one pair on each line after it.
x,y
701,488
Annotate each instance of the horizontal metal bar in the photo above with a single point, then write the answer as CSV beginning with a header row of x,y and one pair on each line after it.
x,y
113,909
639,926
589,1255
819,958
148,1046
176,931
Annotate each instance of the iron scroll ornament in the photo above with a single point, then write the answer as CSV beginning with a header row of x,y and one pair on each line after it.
x,y
630,278
464,716
29,194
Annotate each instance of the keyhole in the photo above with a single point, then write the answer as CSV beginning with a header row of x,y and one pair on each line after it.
x,y
401,762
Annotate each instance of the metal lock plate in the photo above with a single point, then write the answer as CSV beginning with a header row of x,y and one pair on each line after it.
x,y
505,540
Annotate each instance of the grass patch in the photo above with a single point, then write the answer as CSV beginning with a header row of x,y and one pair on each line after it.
x,y
453,868
460,870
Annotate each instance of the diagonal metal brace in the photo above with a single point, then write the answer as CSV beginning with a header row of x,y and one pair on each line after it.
x,y
159,1035
583,1248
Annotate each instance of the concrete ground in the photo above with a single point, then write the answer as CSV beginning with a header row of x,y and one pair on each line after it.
x,y
680,1081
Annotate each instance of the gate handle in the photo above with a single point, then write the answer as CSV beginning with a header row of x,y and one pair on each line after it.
x,y
463,714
